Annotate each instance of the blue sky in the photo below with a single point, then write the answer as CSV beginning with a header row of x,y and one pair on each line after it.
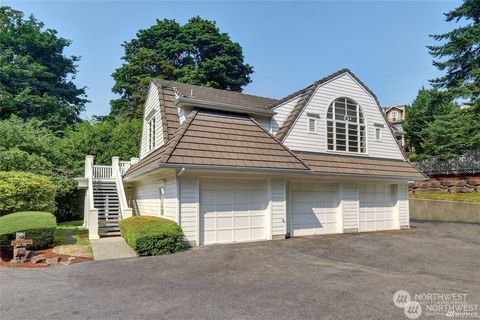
x,y
290,44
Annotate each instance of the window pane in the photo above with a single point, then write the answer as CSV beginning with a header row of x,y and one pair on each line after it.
x,y
341,148
330,113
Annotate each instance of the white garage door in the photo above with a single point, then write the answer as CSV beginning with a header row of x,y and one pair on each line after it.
x,y
233,210
377,207
314,208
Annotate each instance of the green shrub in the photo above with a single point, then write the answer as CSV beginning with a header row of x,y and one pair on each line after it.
x,y
21,191
38,226
151,236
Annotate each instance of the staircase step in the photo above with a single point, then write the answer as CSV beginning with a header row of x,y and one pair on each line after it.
x,y
110,234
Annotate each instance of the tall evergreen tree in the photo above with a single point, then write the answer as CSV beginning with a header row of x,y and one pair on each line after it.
x,y
35,75
196,53
459,54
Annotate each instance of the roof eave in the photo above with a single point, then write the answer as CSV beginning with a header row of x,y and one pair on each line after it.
x,y
218,106
232,168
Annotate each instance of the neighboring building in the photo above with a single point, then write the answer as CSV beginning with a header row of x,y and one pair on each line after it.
x,y
232,167
396,117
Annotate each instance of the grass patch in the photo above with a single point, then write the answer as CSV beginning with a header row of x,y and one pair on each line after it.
x,y
70,239
462,197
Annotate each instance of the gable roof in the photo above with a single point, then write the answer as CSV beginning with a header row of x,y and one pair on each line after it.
x,y
220,139
306,93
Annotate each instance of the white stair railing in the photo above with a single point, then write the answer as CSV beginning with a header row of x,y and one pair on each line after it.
x,y
125,211
102,172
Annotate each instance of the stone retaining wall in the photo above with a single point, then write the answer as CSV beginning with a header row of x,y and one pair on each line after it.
x,y
447,184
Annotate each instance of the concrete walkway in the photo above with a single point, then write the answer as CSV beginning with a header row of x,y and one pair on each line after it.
x,y
111,248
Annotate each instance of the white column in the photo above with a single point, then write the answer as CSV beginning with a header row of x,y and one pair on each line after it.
x,y
88,175
115,164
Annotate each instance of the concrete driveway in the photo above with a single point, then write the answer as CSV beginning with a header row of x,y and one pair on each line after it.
x,y
351,276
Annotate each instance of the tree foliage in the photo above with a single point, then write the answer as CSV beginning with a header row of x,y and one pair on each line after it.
x,y
459,54
196,53
427,106
35,76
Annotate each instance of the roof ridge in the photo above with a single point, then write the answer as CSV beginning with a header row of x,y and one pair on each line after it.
x,y
173,82
280,143
172,144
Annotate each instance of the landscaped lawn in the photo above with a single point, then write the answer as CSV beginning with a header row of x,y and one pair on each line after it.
x,y
72,240
463,197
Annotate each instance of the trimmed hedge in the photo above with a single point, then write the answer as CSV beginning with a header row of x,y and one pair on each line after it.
x,y
152,236
38,226
20,191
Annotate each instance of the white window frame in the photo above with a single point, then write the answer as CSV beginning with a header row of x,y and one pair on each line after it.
x,y
151,133
360,126
394,115
314,125
379,136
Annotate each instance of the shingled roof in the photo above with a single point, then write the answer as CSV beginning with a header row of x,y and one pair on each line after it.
x,y
216,95
359,166
211,138
306,93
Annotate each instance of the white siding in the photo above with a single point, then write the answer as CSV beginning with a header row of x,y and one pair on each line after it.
x,y
171,196
152,109
282,111
279,207
145,197
343,86
264,122
189,207
403,204
350,206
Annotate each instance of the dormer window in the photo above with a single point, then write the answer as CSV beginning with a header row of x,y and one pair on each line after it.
x,y
394,115
345,126
151,134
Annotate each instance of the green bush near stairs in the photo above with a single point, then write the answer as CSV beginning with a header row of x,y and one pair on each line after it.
x,y
152,236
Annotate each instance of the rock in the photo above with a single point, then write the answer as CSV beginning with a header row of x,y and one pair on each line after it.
x,y
38,259
461,183
52,261
447,183
426,185
435,184
473,182
477,189
460,189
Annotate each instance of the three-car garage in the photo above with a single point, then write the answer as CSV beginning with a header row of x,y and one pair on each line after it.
x,y
239,210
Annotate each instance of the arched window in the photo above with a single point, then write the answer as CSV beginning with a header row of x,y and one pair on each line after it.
x,y
345,126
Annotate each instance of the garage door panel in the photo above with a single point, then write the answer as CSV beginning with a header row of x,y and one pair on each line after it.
x,y
377,207
314,208
224,223
257,221
242,222
233,210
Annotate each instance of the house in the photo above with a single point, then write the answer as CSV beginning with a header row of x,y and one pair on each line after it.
x,y
232,167
396,117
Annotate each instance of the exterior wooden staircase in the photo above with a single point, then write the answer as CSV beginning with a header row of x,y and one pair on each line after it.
x,y
105,199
